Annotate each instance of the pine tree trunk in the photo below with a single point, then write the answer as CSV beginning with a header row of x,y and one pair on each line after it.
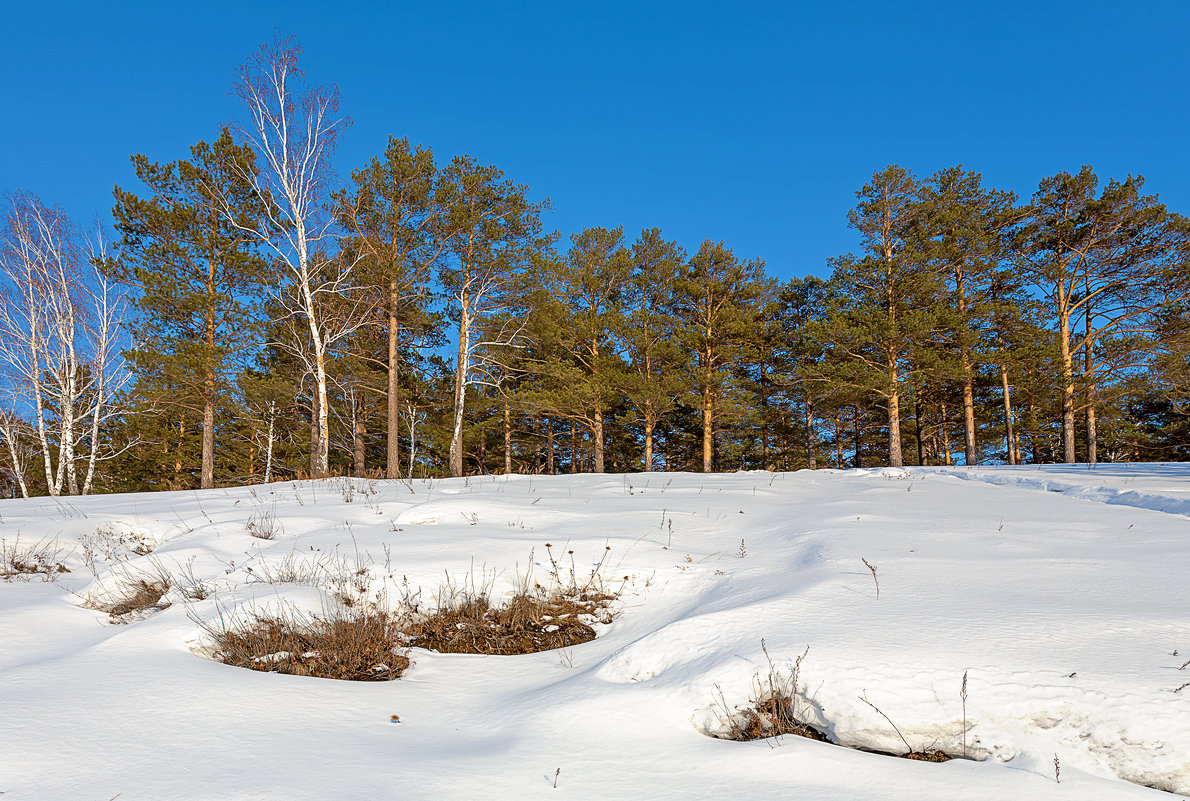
x,y
838,441
811,445
947,459
392,465
648,438
549,445
1067,379
507,440
708,432
538,462
181,443
858,443
969,448
207,479
894,429
1033,437
574,455
359,469
1009,438
597,441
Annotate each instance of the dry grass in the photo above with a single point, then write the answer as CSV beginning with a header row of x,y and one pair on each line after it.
x,y
528,623
351,646
41,559
263,524
773,708
928,756
133,595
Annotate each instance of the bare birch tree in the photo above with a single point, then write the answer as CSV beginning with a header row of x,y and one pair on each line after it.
x,y
292,128
59,327
495,232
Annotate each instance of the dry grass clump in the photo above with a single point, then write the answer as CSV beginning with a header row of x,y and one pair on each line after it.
x,y
39,559
134,594
927,756
772,710
351,646
530,622
263,524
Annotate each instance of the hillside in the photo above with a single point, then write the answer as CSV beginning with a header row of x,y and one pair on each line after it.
x,y
1060,593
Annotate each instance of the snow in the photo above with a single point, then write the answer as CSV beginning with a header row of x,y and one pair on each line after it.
x,y
1060,591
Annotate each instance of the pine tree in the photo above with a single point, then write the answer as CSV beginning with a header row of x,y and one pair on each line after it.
x,y
197,275
647,336
1102,260
963,228
587,288
717,298
881,303
398,229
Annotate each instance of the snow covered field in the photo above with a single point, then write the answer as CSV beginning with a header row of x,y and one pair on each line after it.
x,y
1062,592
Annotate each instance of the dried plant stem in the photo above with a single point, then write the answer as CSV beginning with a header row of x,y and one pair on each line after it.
x,y
908,747
872,567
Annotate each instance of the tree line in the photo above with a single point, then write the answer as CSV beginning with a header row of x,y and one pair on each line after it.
x,y
253,319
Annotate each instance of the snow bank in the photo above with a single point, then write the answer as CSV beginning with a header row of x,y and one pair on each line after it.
x,y
1061,594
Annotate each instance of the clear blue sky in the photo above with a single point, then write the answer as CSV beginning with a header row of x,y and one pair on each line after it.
x,y
751,123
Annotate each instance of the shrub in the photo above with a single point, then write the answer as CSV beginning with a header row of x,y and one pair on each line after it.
x,y
134,594
352,646
530,622
39,559
263,524
772,710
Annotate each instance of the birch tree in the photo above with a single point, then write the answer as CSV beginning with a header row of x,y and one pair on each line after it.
x,y
292,127
495,231
59,340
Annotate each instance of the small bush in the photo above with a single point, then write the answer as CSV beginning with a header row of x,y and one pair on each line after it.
x,y
528,623
353,646
110,543
263,525
134,594
772,710
41,559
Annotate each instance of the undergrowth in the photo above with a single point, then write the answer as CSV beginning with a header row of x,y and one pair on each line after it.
x,y
527,623
773,709
349,645
42,559
536,618
134,594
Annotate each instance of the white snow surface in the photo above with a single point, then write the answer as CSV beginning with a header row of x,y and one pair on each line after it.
x,y
1062,592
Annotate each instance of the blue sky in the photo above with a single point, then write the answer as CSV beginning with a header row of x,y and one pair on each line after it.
x,y
750,123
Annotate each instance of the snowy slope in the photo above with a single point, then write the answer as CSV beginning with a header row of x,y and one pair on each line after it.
x,y
1061,592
